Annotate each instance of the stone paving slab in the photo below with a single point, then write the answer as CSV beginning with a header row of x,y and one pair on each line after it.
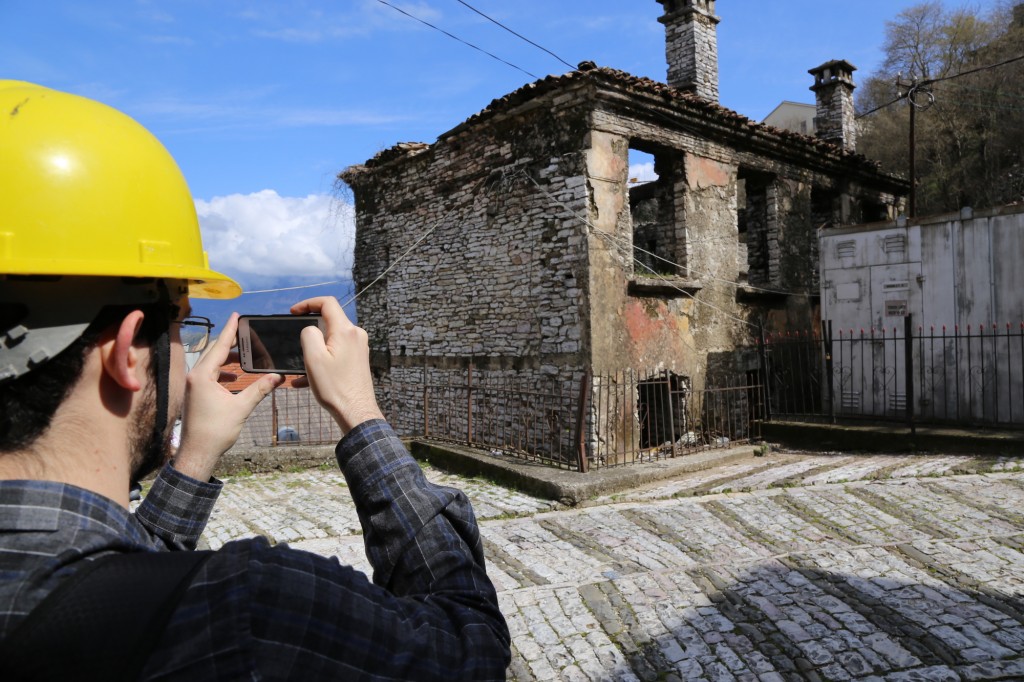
x,y
315,504
811,567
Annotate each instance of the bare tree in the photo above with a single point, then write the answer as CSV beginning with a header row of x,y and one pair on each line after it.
x,y
954,67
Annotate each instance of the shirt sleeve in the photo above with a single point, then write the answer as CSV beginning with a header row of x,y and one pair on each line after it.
x,y
177,508
416,534
256,611
431,612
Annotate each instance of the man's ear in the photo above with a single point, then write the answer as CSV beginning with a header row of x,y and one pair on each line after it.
x,y
122,359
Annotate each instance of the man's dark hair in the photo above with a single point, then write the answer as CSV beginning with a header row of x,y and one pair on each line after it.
x,y
28,403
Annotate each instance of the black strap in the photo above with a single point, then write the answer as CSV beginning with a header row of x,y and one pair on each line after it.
x,y
102,622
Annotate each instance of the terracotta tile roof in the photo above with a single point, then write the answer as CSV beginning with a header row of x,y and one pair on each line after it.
x,y
613,77
245,379
608,77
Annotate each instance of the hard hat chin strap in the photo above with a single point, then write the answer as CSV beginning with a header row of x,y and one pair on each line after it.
x,y
162,358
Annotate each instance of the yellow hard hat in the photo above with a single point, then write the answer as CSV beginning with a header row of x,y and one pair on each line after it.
x,y
87,191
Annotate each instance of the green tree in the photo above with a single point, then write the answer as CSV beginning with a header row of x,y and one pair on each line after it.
x,y
969,117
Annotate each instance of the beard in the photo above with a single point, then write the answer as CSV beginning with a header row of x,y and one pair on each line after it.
x,y
149,443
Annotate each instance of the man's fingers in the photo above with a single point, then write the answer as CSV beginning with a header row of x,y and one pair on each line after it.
x,y
254,393
325,305
311,305
218,352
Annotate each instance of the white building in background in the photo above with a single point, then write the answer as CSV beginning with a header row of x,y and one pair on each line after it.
x,y
793,116
953,269
959,279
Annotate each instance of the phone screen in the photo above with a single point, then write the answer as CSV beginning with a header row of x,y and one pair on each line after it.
x,y
274,342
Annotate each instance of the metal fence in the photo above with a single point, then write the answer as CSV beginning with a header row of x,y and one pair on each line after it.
x,y
577,422
591,421
290,416
972,376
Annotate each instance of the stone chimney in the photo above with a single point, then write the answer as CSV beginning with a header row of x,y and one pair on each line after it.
x,y
691,46
833,90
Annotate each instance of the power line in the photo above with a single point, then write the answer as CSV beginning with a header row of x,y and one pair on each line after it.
x,y
455,37
881,106
301,286
518,35
402,257
980,68
908,95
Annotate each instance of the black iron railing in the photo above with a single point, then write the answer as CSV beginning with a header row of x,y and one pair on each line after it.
x,y
589,421
913,374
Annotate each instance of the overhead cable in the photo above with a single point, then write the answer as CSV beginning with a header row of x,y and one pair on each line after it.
x,y
300,286
908,95
518,35
402,257
455,37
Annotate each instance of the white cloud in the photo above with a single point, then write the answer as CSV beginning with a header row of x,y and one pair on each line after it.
x,y
263,238
642,172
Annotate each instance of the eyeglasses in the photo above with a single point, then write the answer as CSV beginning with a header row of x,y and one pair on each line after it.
x,y
195,333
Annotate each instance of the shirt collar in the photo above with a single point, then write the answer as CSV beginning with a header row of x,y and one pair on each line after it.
x,y
50,505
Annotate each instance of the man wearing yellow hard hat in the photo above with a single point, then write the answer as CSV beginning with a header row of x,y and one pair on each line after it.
x,y
100,254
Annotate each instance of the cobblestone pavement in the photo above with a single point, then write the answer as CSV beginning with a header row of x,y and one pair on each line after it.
x,y
786,567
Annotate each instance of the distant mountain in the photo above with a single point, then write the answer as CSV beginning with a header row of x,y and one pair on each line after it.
x,y
276,303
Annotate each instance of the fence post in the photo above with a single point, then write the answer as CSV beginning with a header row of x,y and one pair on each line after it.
x,y
671,412
826,341
469,405
908,365
426,404
763,356
273,418
582,463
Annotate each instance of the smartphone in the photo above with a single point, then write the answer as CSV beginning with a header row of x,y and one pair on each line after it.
x,y
270,343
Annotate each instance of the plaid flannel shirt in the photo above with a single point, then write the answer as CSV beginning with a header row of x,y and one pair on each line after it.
x,y
261,612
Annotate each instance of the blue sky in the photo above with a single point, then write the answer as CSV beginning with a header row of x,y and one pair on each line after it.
x,y
262,103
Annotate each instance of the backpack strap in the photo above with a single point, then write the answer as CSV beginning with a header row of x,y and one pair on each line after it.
x,y
103,622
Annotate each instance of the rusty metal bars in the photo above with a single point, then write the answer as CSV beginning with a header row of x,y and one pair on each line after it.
x,y
588,422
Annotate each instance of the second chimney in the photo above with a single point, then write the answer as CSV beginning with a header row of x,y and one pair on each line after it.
x,y
691,46
833,90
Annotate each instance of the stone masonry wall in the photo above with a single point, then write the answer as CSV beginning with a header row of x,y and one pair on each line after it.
x,y
489,265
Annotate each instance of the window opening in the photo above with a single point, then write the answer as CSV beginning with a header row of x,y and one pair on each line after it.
x,y
874,212
662,408
822,213
752,223
652,212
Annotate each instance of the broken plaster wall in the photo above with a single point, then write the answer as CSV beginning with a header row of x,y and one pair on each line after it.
x,y
655,323
671,326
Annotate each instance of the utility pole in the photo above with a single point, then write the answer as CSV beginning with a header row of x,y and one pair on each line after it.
x,y
911,91
904,91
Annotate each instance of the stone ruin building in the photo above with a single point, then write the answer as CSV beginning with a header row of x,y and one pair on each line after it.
x,y
516,244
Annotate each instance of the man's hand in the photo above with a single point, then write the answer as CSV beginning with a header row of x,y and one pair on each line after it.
x,y
212,416
338,364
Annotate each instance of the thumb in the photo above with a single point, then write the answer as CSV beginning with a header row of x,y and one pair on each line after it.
x,y
253,394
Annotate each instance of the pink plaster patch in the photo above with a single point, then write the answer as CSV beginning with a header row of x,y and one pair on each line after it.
x,y
704,173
